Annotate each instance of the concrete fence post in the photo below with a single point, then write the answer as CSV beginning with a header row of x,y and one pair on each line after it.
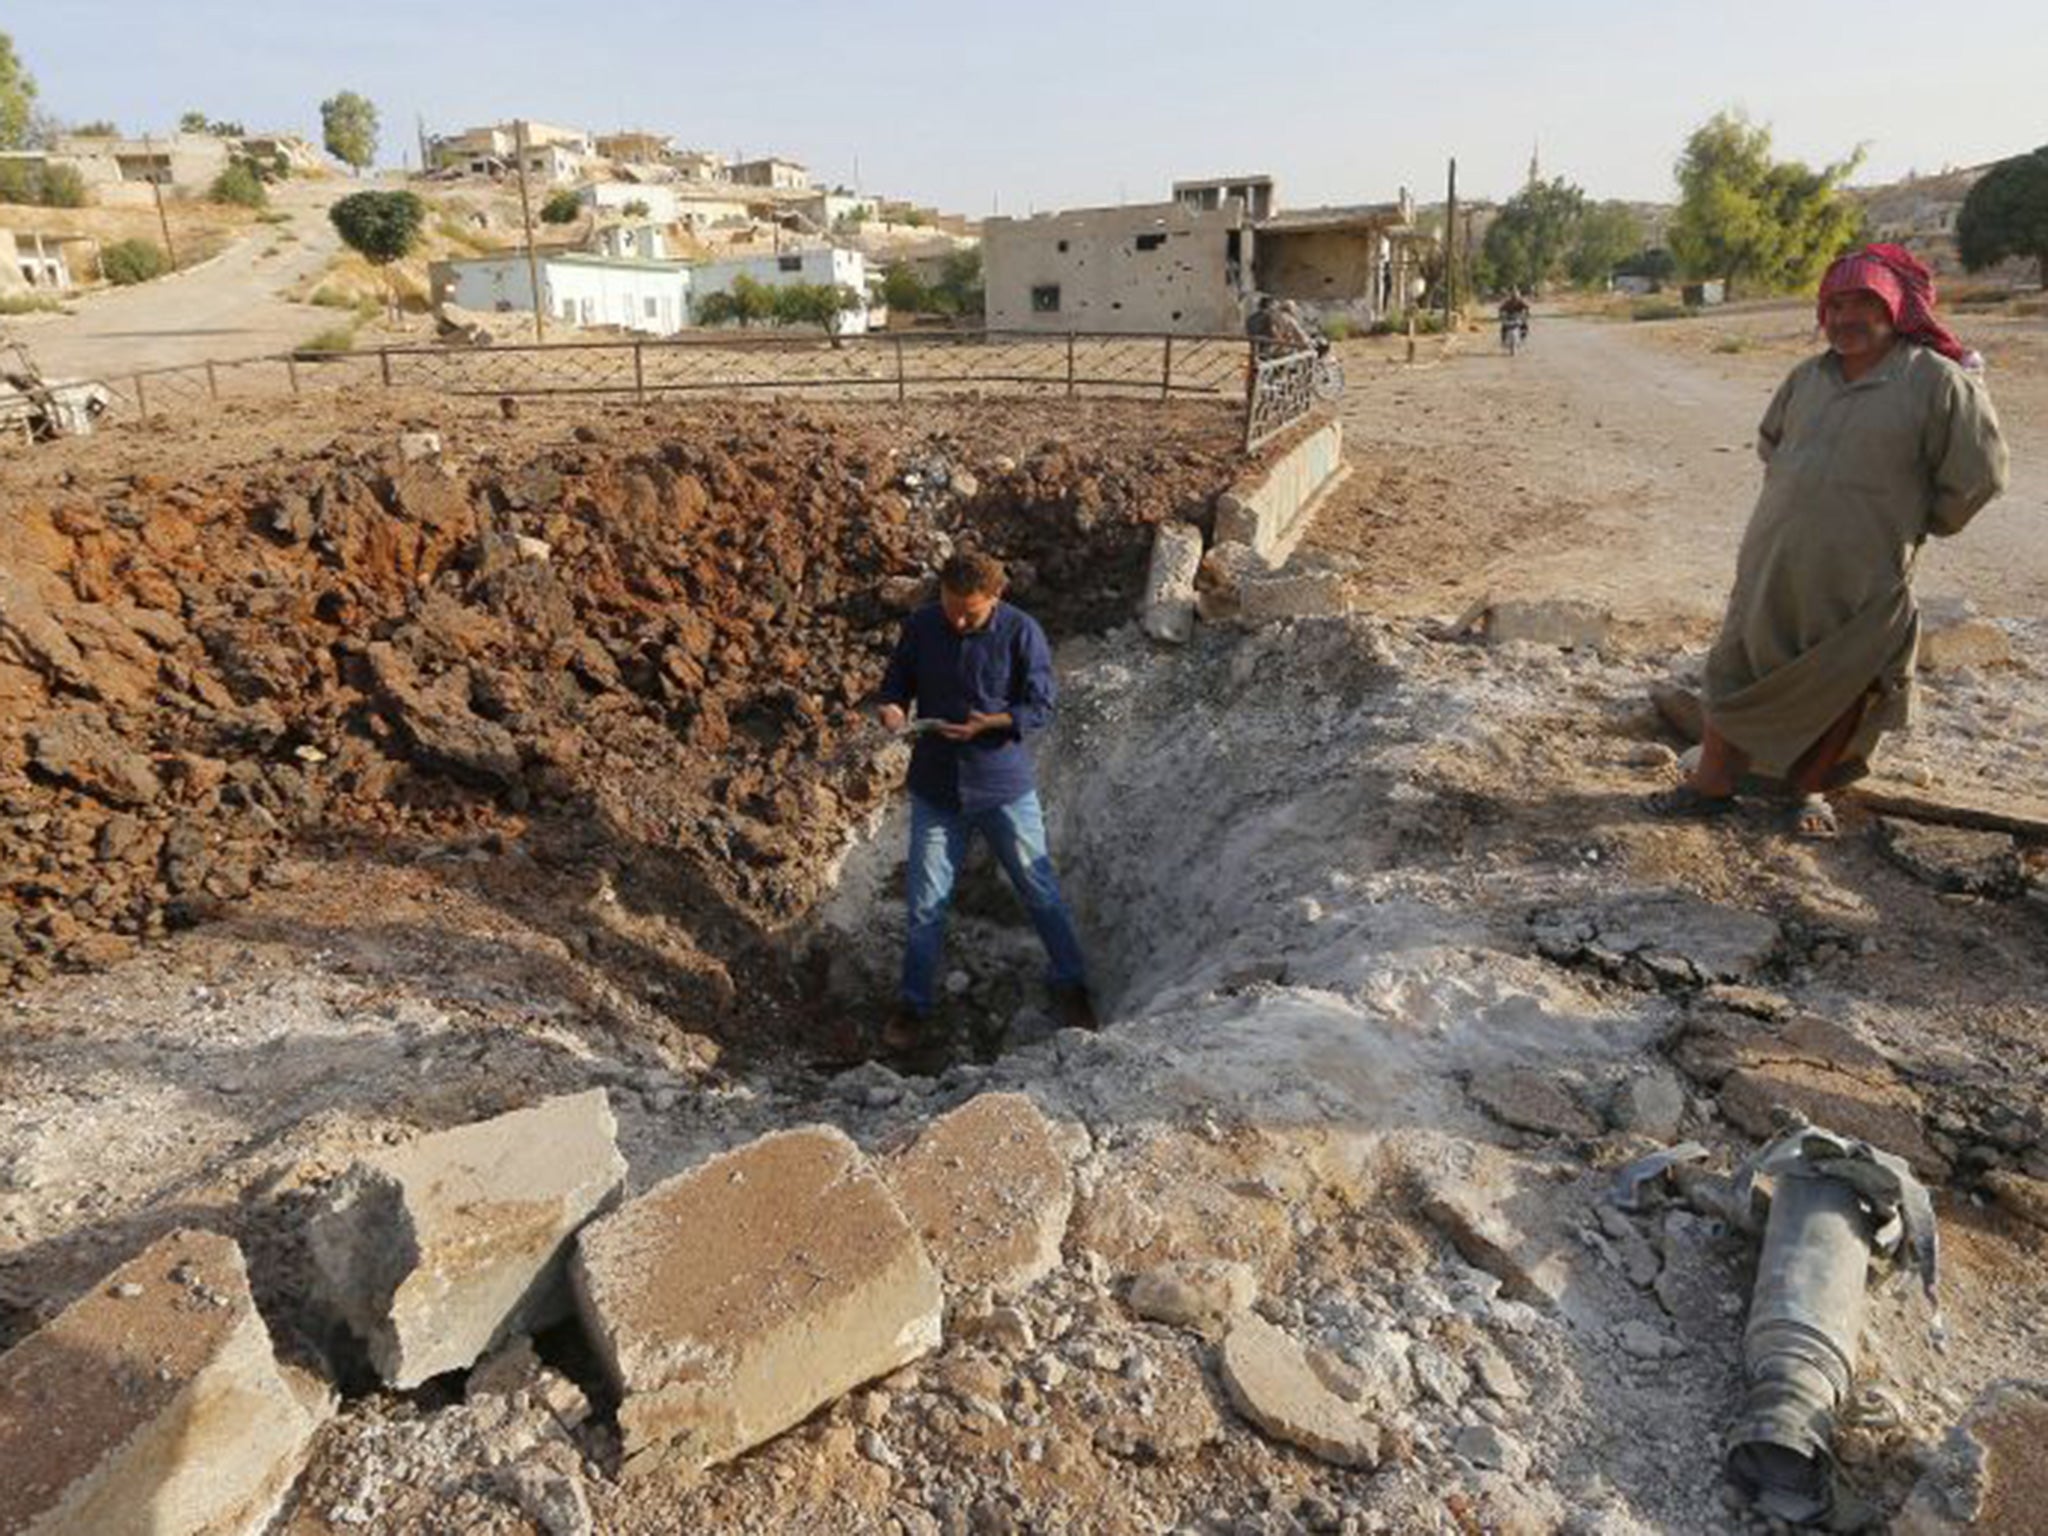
x,y
291,369
639,372
384,364
141,399
212,381
1166,372
902,384
1070,365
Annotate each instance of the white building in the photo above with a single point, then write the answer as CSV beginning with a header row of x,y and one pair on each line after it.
x,y
656,202
776,174
821,265
651,297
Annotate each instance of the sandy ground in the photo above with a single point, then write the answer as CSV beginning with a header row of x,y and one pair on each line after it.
x,y
1324,869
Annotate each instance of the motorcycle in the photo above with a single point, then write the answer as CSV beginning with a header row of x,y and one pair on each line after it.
x,y
1514,333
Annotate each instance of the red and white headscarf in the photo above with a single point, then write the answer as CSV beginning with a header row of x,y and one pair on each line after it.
x,y
1896,276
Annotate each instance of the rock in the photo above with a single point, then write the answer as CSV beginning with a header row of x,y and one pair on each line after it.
x,y
551,1498
437,722
1988,1477
1954,858
1680,709
79,748
1167,609
1496,1373
815,1284
1964,644
1645,1343
1651,1105
989,1191
1441,1377
1550,621
1518,1097
1465,1190
438,1250
1270,1383
153,1404
413,447
2025,1196
1485,1446
1202,1295
1381,1360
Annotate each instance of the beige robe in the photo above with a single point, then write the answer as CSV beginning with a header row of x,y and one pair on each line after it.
x,y
1856,477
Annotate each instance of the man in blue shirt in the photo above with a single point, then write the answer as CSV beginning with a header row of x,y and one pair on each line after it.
x,y
980,674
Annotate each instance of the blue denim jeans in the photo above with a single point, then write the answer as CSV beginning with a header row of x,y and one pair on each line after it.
x,y
1016,835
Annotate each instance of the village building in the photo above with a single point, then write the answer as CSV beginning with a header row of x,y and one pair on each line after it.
x,y
35,262
826,211
776,174
554,153
1148,267
705,165
1254,192
634,147
581,288
821,265
1358,261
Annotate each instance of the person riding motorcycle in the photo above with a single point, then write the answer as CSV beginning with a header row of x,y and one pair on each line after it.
x,y
1514,315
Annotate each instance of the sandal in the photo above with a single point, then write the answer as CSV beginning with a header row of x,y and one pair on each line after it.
x,y
1682,802
1814,820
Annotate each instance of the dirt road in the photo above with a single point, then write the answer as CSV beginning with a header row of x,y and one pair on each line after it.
x,y
1614,463
231,307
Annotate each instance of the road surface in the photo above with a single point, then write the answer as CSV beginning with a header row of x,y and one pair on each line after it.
x,y
1602,464
233,306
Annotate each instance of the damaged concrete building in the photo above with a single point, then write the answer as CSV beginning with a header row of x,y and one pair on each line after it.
x,y
1198,263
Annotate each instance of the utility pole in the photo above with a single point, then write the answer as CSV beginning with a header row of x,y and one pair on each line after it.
x,y
1451,246
540,324
156,186
426,159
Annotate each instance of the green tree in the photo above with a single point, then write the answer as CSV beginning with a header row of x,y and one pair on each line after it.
x,y
960,289
62,186
239,184
1526,244
132,261
747,303
1606,236
382,227
903,289
561,207
819,304
192,122
348,123
17,98
636,209
1753,221
2006,215
98,128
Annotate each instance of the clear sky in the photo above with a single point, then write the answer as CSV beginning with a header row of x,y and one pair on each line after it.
x,y
1058,104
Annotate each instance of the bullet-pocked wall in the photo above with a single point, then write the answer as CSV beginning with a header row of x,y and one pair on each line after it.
x,y
1148,268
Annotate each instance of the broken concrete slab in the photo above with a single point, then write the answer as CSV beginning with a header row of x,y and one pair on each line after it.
x,y
988,1190
1274,599
1560,622
2003,810
1271,510
814,1284
436,1251
1658,938
1954,858
1988,1477
1516,1096
1270,1382
153,1405
1202,1295
1167,610
1809,1068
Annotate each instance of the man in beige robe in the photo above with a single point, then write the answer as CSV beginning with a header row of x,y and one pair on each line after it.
x,y
1883,439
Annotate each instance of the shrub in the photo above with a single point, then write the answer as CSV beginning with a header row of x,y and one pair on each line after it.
x,y
28,304
1339,328
239,184
636,209
132,261
336,338
63,187
560,208
1728,346
1658,309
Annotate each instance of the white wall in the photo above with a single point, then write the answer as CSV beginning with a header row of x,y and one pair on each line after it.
x,y
639,296
614,196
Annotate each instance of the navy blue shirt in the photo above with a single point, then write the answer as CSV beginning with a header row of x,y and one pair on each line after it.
x,y
1005,667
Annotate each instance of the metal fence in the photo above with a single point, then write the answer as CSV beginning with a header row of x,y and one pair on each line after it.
x,y
1163,367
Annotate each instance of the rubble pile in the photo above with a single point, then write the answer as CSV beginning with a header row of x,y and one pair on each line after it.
x,y
651,636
